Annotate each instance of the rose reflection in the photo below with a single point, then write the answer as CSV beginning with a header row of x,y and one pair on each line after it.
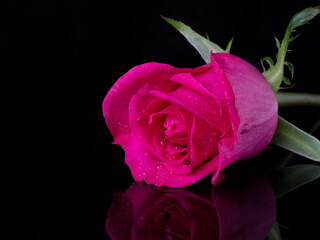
x,y
246,211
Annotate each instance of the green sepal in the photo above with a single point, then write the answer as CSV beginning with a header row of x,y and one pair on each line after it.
x,y
293,38
286,80
290,67
268,60
274,74
200,43
228,48
295,140
288,87
277,42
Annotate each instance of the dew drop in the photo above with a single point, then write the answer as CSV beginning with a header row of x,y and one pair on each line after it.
x,y
159,167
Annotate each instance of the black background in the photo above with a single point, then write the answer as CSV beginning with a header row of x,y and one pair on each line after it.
x,y
58,59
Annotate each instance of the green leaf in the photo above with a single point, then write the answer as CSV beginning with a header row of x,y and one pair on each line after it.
x,y
274,233
288,87
304,16
286,80
287,179
290,99
293,38
269,61
201,44
289,155
277,42
274,74
295,140
229,46
290,67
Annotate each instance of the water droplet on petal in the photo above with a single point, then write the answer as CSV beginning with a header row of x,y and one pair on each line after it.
x,y
159,167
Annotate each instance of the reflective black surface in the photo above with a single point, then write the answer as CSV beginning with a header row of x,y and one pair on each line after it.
x,y
58,59
245,210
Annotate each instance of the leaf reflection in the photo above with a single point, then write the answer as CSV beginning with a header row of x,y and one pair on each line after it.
x,y
229,212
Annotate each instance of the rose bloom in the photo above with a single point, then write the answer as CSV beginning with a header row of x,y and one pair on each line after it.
x,y
246,211
179,125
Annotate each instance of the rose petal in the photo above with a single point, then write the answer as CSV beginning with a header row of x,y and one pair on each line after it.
x,y
217,82
255,106
116,104
146,122
146,166
257,109
200,105
175,164
204,142
187,80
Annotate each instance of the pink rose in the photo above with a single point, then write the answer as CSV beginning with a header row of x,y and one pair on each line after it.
x,y
178,125
245,212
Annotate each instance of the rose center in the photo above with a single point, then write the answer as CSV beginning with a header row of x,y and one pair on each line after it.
x,y
175,132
